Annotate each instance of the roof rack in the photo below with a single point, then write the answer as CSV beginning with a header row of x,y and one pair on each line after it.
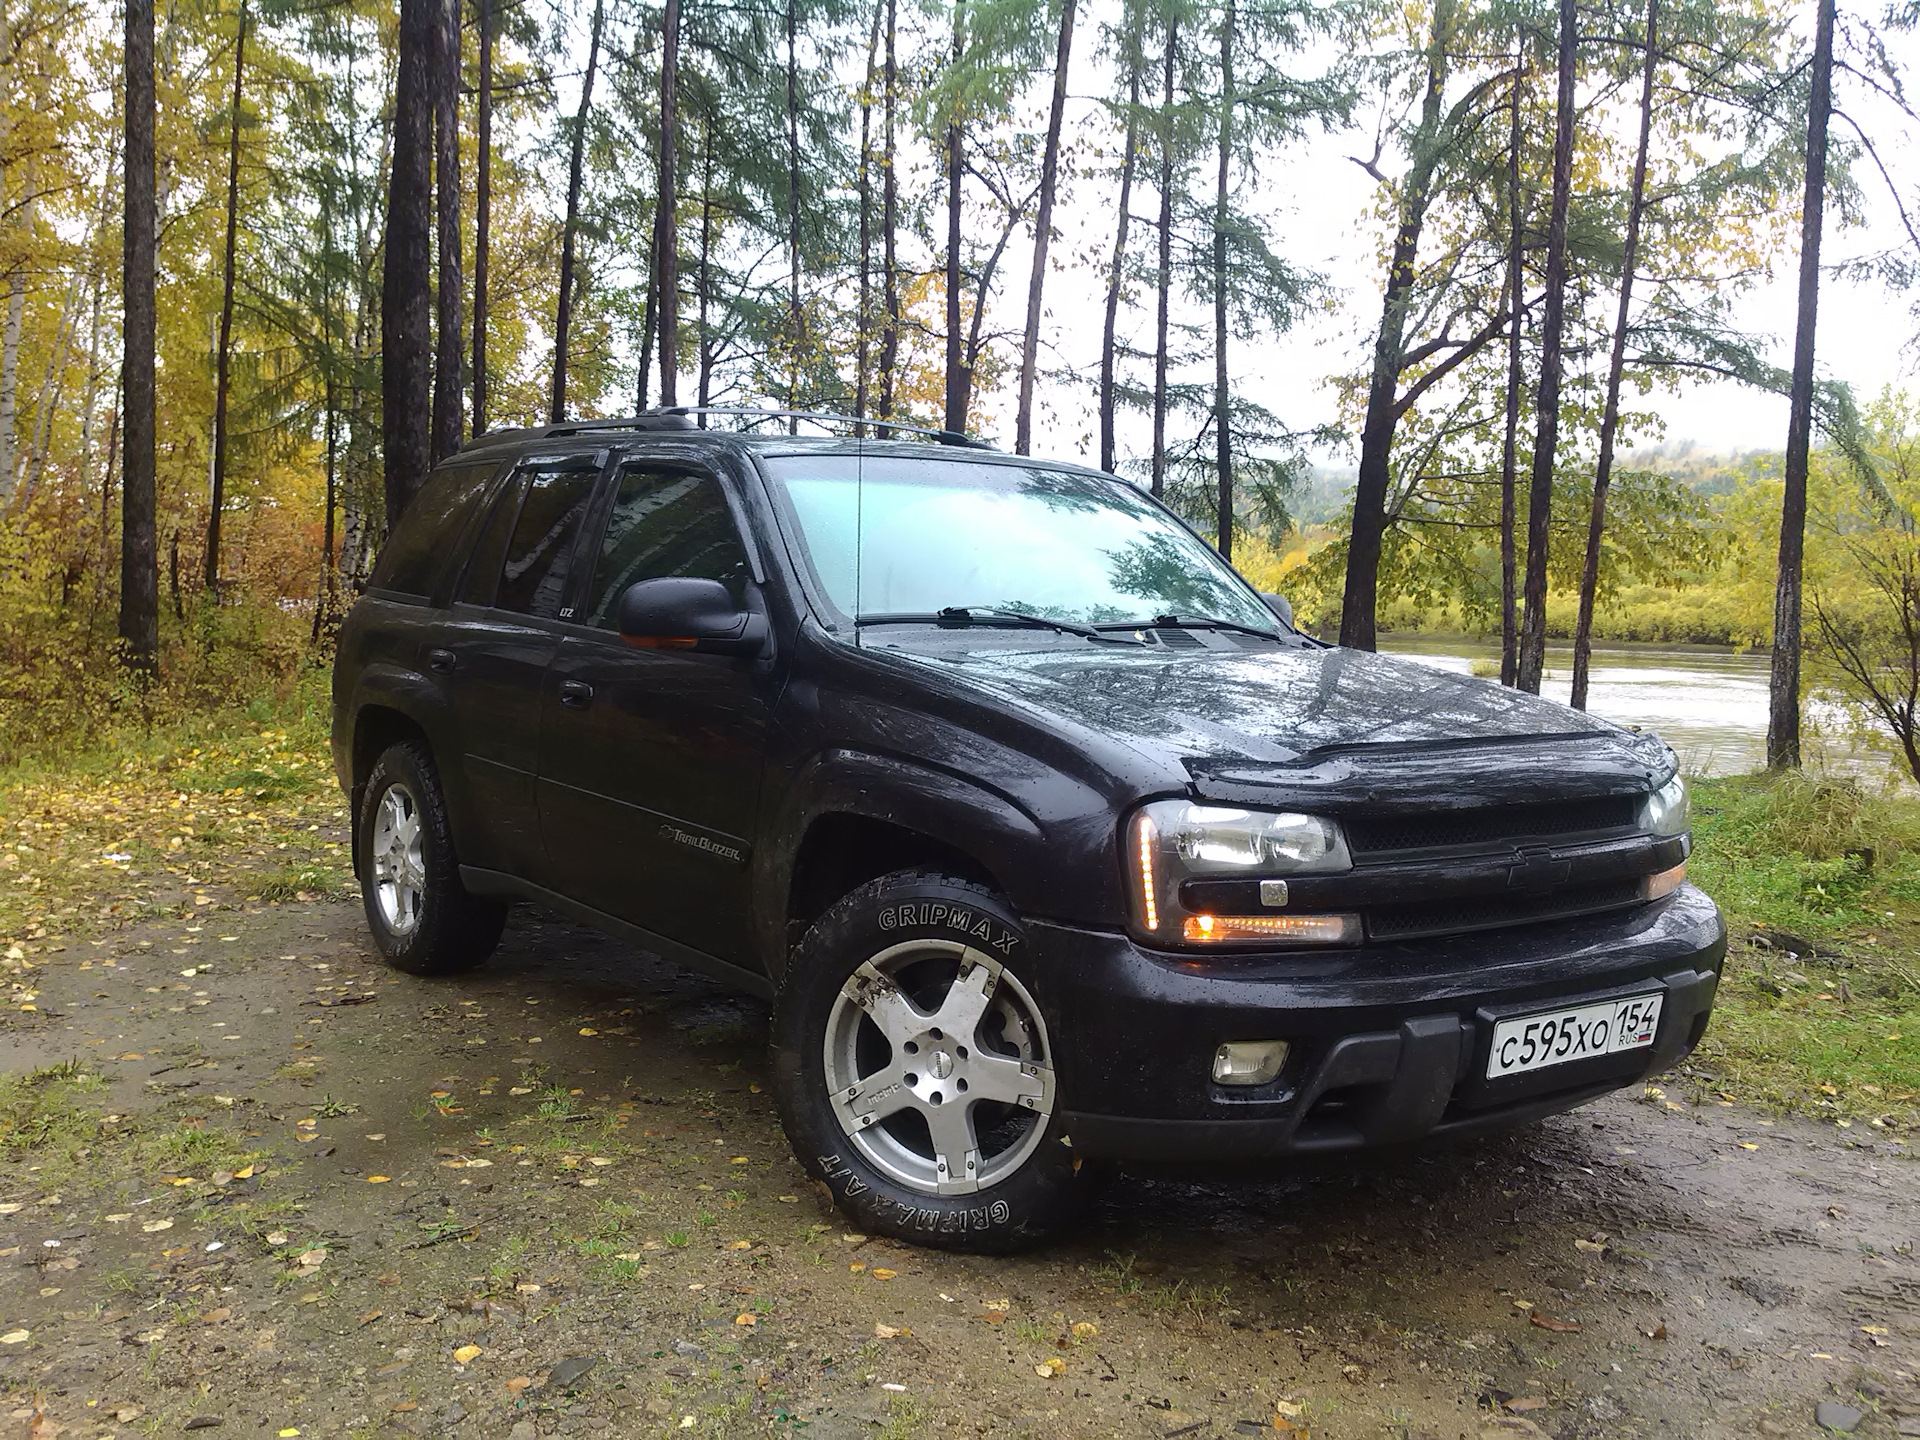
x,y
680,417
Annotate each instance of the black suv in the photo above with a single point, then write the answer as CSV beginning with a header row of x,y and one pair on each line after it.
x,y
1045,835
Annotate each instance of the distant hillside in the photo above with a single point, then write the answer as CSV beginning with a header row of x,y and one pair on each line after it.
x,y
1706,472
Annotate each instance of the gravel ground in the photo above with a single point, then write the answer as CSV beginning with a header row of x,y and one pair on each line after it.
x,y
277,1189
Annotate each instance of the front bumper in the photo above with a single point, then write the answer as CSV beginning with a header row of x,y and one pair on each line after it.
x,y
1388,1042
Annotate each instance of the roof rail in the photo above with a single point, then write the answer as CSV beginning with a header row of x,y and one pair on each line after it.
x,y
945,437
680,417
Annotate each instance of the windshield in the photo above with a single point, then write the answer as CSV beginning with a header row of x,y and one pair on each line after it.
x,y
901,535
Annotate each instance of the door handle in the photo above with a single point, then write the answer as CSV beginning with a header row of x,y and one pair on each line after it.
x,y
576,694
441,660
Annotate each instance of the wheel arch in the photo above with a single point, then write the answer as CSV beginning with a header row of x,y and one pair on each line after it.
x,y
852,817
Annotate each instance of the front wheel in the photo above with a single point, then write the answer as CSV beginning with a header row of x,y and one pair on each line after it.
x,y
423,919
916,1071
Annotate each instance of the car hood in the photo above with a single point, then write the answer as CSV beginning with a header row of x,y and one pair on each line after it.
x,y
1311,715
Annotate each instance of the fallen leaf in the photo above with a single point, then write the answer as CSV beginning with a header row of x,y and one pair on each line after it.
x,y
1047,1369
1525,1403
154,1227
1558,1327
311,1259
1085,1329
378,1179
371,1316
1748,1145
1592,1247
1655,1332
746,1317
214,1317
406,1405
466,1353
1001,1305
880,1272
276,1237
16,1337
888,1332
588,1030
519,1383
739,1245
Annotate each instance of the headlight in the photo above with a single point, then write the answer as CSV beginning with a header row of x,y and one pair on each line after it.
x,y
1664,812
1172,841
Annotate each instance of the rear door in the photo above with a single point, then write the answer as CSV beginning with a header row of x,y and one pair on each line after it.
x,y
651,759
492,652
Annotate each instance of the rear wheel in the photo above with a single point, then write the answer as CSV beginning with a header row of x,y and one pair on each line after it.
x,y
916,1067
422,918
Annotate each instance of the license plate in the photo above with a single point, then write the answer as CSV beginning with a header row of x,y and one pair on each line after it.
x,y
1558,1037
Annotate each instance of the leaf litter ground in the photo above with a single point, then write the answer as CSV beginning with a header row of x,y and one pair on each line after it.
x,y
249,1176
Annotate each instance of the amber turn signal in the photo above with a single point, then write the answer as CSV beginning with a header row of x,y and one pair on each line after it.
x,y
1298,929
1666,882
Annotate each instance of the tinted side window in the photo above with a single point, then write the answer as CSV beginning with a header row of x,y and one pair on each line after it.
x,y
665,522
483,570
417,551
533,576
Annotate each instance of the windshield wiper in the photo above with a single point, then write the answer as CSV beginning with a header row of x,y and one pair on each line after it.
x,y
959,616
1191,622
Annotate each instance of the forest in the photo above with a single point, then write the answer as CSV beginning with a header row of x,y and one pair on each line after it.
x,y
267,262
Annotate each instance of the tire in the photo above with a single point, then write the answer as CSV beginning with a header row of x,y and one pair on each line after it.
x,y
423,919
961,1145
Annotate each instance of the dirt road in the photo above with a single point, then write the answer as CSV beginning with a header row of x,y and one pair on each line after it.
x,y
307,1195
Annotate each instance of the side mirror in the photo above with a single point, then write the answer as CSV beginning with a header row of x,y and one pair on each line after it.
x,y
678,612
1281,607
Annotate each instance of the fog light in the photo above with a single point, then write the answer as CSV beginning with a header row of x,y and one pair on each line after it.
x,y
1659,886
1248,1062
1297,929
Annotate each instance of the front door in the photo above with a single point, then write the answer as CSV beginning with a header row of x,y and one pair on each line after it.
x,y
493,649
650,759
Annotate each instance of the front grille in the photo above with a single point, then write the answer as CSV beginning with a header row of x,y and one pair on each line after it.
x,y
1488,912
1374,834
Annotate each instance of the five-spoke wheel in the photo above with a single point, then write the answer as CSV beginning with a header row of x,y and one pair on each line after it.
x,y
937,1065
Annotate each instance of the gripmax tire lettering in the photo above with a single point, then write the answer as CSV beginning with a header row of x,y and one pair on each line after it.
x,y
883,951
448,929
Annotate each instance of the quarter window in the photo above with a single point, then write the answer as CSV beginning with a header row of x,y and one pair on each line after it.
x,y
665,522
418,549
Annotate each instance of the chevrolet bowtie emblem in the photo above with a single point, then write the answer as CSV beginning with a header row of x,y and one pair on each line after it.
x,y
1538,871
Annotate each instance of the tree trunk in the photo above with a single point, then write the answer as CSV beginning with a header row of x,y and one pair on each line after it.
x,y
863,351
16,290
450,357
796,326
1359,605
1117,274
959,384
563,312
1222,398
1043,234
1533,628
406,378
139,567
703,287
648,310
482,212
1783,690
1509,450
666,256
1616,366
1163,283
223,356
889,221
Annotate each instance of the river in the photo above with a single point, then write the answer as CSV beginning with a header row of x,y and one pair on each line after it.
x,y
1709,705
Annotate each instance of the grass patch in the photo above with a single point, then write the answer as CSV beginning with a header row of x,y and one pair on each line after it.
x,y
1819,1004
49,1112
